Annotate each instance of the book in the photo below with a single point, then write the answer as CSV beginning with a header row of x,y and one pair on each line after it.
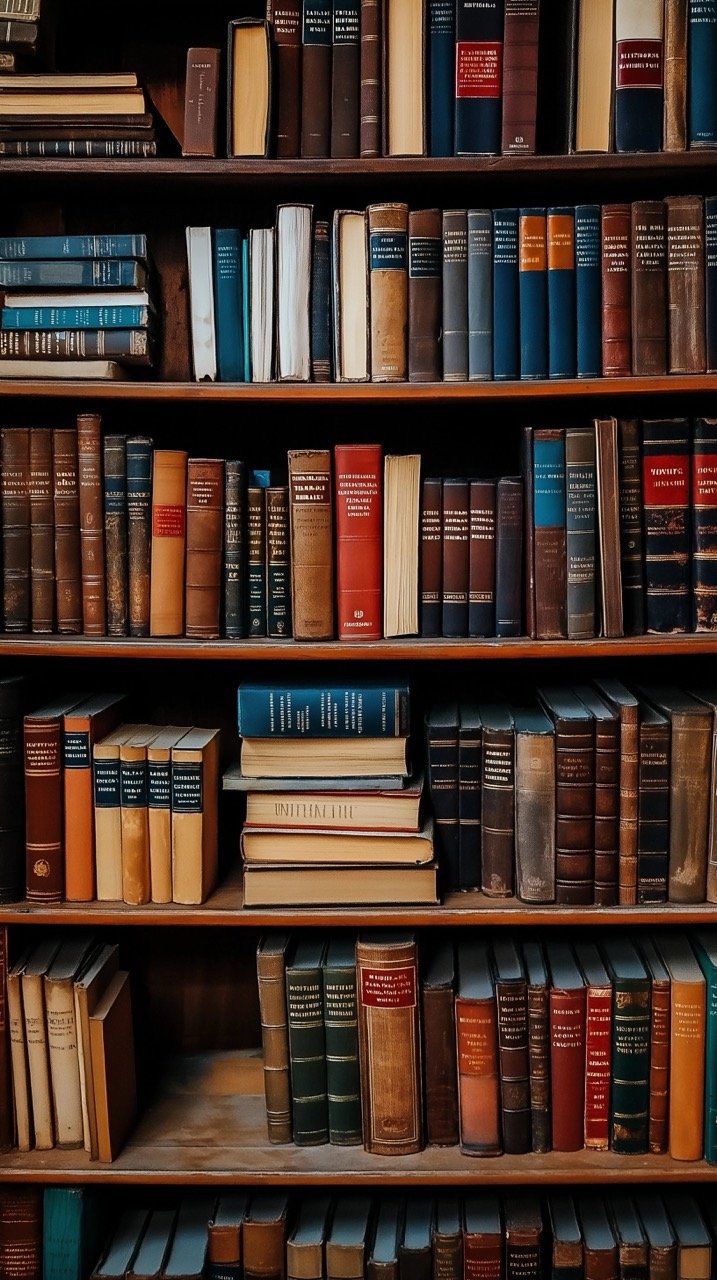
x,y
533,292
567,1047
227,297
382,1262
703,947
261,307
639,76
403,78
630,1046
249,87
310,509
372,885
115,531
477,1052
68,571
62,1038
293,279
204,533
685,284
538,1044
74,1222
14,489
44,832
562,320
389,1042
85,724
120,1250
416,1250
134,819
278,567
149,1259
431,556
307,1048
523,1234
567,1238
112,316
338,972
264,1232
632,1249
626,704
202,305
440,41
704,444
550,532
479,78
593,112
321,318
509,556
112,1050
480,294
271,958
581,502
454,237
294,711
77,246
350,296
235,533
256,528
33,1003
588,299
387,226
439,1046
701,100
653,831
442,759
200,102
482,1233
347,1240
497,801
378,810
600,1026
687,1046
608,513
194,783
631,541
616,256
665,505
42,531
470,791
169,481
139,461
372,758
649,288
18,1100
89,985
401,506
456,556
446,1234
481,558
607,793
520,77
316,61
506,312
350,847
575,794
695,1245
306,1245
285,22
511,993
534,805
674,124
359,540
659,1045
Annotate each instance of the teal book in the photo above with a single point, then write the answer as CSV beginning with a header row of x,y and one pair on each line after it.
x,y
630,1090
113,246
369,710
74,1226
307,1047
87,273
341,1036
705,946
127,317
245,310
228,303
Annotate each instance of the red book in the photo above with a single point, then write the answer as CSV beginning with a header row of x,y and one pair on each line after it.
x,y
598,1044
567,1047
359,540
477,1053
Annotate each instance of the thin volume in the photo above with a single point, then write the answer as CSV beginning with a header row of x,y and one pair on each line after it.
x,y
482,555
607,794
686,284
511,993
12,808
608,509
256,560
307,1047
581,516
92,543
42,531
616,250
442,725
68,571
665,508
480,294
477,1052
567,1047
631,542
456,550
235,549
506,308
455,295
588,297
168,542
627,707
598,1026
534,805
424,295
321,303
205,532
278,563
533,292
674,124
575,794
439,1038
139,531
371,79
341,1037
538,1045
497,801
653,829
562,322
548,458
271,980
14,482
115,512
711,282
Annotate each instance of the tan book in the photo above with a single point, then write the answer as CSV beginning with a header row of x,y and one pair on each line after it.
x,y
159,803
389,1042
90,102
674,123
72,80
249,88
134,815
593,118
33,1002
309,1239
113,1068
224,1249
323,757
388,262
264,1233
336,810
404,36
89,986
271,981
312,551
401,508
195,788
399,848
272,885
351,299
108,816
169,489
24,1131
62,1040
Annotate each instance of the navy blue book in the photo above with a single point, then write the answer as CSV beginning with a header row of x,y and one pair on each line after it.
x,y
441,63
506,323
701,73
533,293
588,291
562,340
226,248
321,304
370,710
119,246
479,77
480,294
639,75
442,758
711,281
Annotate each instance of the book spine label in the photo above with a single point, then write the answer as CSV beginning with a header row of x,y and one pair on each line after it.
x,y
478,1076
581,517
686,284
550,534
442,761
630,1066
711,282
455,295
14,486
588,298
567,1067
649,288
425,270
509,522
598,1010
512,1007
520,77
45,872
342,1065
256,560
335,711
321,304
389,1048
480,294
659,1066
479,78
481,585
616,270
359,541
497,816
574,827
539,1062
235,549
653,833
68,570
562,331
533,290
441,52
205,528
704,524
226,252
115,518
139,532
535,816
42,531
631,550
701,58
666,501
456,552
470,761
506,316
431,550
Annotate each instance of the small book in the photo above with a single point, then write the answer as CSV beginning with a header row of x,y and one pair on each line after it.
x,y
264,1233
382,1261
148,1261
159,807
119,1254
108,814
567,1047
312,553
482,1235
113,1069
688,992
538,1044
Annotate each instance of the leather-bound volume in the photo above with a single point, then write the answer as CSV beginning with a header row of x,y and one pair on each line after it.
x,y
388,288
481,569
234,549
550,534
631,557
92,543
598,1024
14,484
278,562
348,1238
511,993
454,337
447,1239
115,521
632,1248
686,284
358,475
316,79
523,1236
371,96
439,1041
42,532
44,845
581,518
534,805
205,530
12,810
666,507
456,552
608,507
567,1246
482,1237
567,1047
431,532
575,795
703,510
653,828
616,255
538,1044
630,1046
509,556
711,281
341,1040
7,1124
477,1052
321,317
687,1046
201,102
310,508
345,78
68,572
533,292
497,801
662,1245
659,1045
139,531
442,758
285,19
607,794
389,1042
21,1232
649,288
599,1244
382,1262
271,980
470,760
307,1053
256,560
424,295
674,122
264,1232
166,608
520,77
627,707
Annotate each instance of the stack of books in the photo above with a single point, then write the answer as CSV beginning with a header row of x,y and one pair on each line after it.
x,y
326,770
76,114
79,306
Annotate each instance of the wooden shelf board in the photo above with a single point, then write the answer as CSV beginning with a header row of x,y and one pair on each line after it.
x,y
356,392
209,1125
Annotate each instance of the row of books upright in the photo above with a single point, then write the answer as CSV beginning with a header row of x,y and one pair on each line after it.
x,y
389,294
499,1047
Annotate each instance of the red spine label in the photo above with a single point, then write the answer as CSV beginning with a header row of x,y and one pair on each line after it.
x,y
597,1067
704,480
389,988
638,64
666,481
168,521
479,68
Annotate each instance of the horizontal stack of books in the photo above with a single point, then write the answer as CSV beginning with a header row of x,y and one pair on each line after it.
x,y
333,816
77,114
79,306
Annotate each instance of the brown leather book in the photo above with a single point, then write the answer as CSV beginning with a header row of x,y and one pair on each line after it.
x,y
482,1237
264,1232
674,119
115,521
201,102
312,569
21,1232
600,1260
627,707
42,532
608,512
139,531
477,1052
567,1243
14,485
607,794
68,570
439,1042
511,994
205,529
371,94
44,846
615,246
687,1045
388,290
431,567
348,1237
575,795
538,1044
159,805
7,1123
113,1068
446,1239
166,606
686,284
520,77
389,1042
271,956
316,80
425,308
285,19
523,1235
92,543
659,1045
86,724
345,79
224,1251
456,556
649,288
497,801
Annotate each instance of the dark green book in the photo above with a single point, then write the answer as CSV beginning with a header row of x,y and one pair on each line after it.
x,y
307,1046
348,1241
567,1247
630,1092
341,1036
632,1249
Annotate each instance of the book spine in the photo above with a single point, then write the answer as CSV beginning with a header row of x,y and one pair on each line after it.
x,y
659,1066
539,1063
567,1067
686,283
497,812
424,293
455,295
92,545
639,52
227,263
201,103
520,77
12,809
653,832
134,817
139,531
359,541
550,533
480,294
456,552
131,346
588,296
256,560
68,573
443,777
334,711
389,1047
479,77
629,1104
512,1011
316,79
478,1076
575,801
441,54
470,758
311,522
703,510
674,124
108,825
701,59
527,471
342,1064
666,502
16,1086
607,810
42,531
14,486
115,520
481,574
169,517
649,288
278,564
431,556
75,317
687,1052
44,867
101,273
598,1019
235,549
533,290
64,1062
321,304
629,770
616,271
388,291
535,816
205,528
562,321
159,822
345,78
631,550
506,305
371,80
7,1125
21,1217
710,1116
271,981
509,556
286,32
711,282
83,246
580,522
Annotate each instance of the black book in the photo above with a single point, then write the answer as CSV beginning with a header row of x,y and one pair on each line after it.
x,y
415,1253
235,549
12,790
321,341
631,540
703,509
456,556
511,991
630,1090
470,757
431,547
653,812
442,759
523,1236
575,794
567,1246
497,801
557,64
538,1045
509,556
341,1036
256,560
711,281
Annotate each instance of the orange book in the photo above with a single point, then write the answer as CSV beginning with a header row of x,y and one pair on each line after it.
x,y
477,1053
86,724
169,490
113,1069
687,1046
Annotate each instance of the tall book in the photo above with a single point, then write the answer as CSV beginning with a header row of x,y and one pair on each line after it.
x,y
481,558
350,295
446,1235
134,815
562,322
389,1042
255,571
533,292
347,1241
14,486
659,1045
68,571
62,1040
307,1048
33,1003
44,836
510,503
701,95
479,78
440,58
431,556
538,1043
482,1235
310,511
372,95
456,553
524,1244
598,1028
674,123
704,948
439,1041
511,993
506,308
580,528
316,79
575,794
704,524
424,284
520,77
404,109
455,295
338,972
627,707
278,562
470,755
12,808
607,794
653,830
639,75
195,788
497,801
629,1106
442,758
92,547
227,272
593,111
201,304
665,505
616,248
419,1244
139,457
631,549
567,1252
115,530
534,805
388,291
42,531
401,507
89,986
113,1066
548,461
649,288
608,512
345,78
84,725
567,1047
687,1046
205,521
321,318
271,959
685,284
588,299
235,547
249,87
16,1081
293,241
359,540
285,22
169,482
382,1261
480,294
477,1052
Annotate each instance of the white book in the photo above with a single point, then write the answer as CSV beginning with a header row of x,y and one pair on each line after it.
x,y
33,1003
350,296
261,303
89,298
201,303
293,270
62,1040
106,370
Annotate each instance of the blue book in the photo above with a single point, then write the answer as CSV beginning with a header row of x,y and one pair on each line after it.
x,y
639,63
480,294
74,1221
588,291
119,246
228,320
441,76
533,293
478,77
711,281
75,318
138,452
549,518
702,73
370,710
60,273
705,947
506,322
561,293
246,314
